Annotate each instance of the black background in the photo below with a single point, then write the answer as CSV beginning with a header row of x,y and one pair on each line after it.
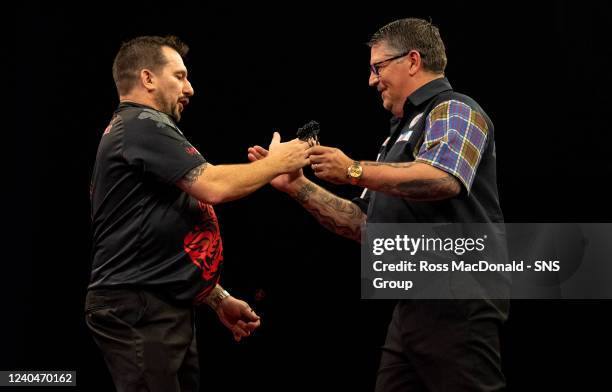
x,y
540,70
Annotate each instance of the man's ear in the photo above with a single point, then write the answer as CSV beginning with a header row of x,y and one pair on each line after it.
x,y
147,79
416,62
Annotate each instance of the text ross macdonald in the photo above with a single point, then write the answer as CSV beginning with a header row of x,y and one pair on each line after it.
x,y
482,265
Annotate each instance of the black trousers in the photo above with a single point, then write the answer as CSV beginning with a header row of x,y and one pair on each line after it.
x,y
148,343
443,346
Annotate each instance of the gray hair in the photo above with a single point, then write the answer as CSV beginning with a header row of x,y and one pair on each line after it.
x,y
408,34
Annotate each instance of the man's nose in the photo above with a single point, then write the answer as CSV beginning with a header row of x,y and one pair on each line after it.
x,y
373,79
188,88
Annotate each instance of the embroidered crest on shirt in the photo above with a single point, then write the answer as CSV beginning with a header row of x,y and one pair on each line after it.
x,y
407,133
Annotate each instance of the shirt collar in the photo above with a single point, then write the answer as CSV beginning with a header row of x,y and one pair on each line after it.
x,y
132,104
161,116
426,92
419,96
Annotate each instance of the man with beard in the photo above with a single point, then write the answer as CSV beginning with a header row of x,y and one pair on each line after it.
x,y
157,249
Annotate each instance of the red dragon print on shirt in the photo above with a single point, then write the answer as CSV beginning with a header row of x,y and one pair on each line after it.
x,y
204,247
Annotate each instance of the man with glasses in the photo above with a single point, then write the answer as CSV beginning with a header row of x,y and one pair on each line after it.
x,y
437,165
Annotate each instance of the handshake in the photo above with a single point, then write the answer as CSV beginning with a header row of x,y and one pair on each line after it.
x,y
329,164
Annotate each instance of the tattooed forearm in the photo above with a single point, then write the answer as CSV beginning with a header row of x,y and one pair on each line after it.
x,y
191,177
332,212
390,164
423,190
304,193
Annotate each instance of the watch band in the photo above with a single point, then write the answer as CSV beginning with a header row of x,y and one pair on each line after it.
x,y
215,298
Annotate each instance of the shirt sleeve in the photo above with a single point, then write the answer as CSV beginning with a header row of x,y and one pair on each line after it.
x,y
159,150
455,138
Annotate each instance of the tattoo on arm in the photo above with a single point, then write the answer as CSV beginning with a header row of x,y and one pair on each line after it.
x,y
304,193
390,164
338,215
422,190
419,190
191,177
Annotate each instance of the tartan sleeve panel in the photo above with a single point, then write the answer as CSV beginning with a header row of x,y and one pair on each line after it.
x,y
455,138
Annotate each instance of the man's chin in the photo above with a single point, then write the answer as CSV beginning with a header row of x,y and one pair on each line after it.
x,y
176,115
387,105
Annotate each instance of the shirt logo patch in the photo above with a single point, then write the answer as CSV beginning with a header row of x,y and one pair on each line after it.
x,y
109,128
404,136
191,150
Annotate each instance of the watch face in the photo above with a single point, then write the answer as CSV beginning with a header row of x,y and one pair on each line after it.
x,y
355,171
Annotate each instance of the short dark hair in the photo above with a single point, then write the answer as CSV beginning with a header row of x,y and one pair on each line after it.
x,y
414,34
139,53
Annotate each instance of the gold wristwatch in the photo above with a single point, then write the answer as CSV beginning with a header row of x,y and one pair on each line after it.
x,y
354,173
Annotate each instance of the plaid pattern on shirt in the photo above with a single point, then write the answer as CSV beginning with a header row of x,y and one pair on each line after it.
x,y
455,137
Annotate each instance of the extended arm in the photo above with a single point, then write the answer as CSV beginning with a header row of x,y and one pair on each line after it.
x,y
411,180
336,214
217,184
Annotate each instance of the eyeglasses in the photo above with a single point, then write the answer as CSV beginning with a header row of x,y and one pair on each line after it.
x,y
377,66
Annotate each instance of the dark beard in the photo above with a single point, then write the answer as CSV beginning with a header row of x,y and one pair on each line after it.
x,y
169,109
176,114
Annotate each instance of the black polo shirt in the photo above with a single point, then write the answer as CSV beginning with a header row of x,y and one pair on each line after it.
x,y
450,131
147,232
